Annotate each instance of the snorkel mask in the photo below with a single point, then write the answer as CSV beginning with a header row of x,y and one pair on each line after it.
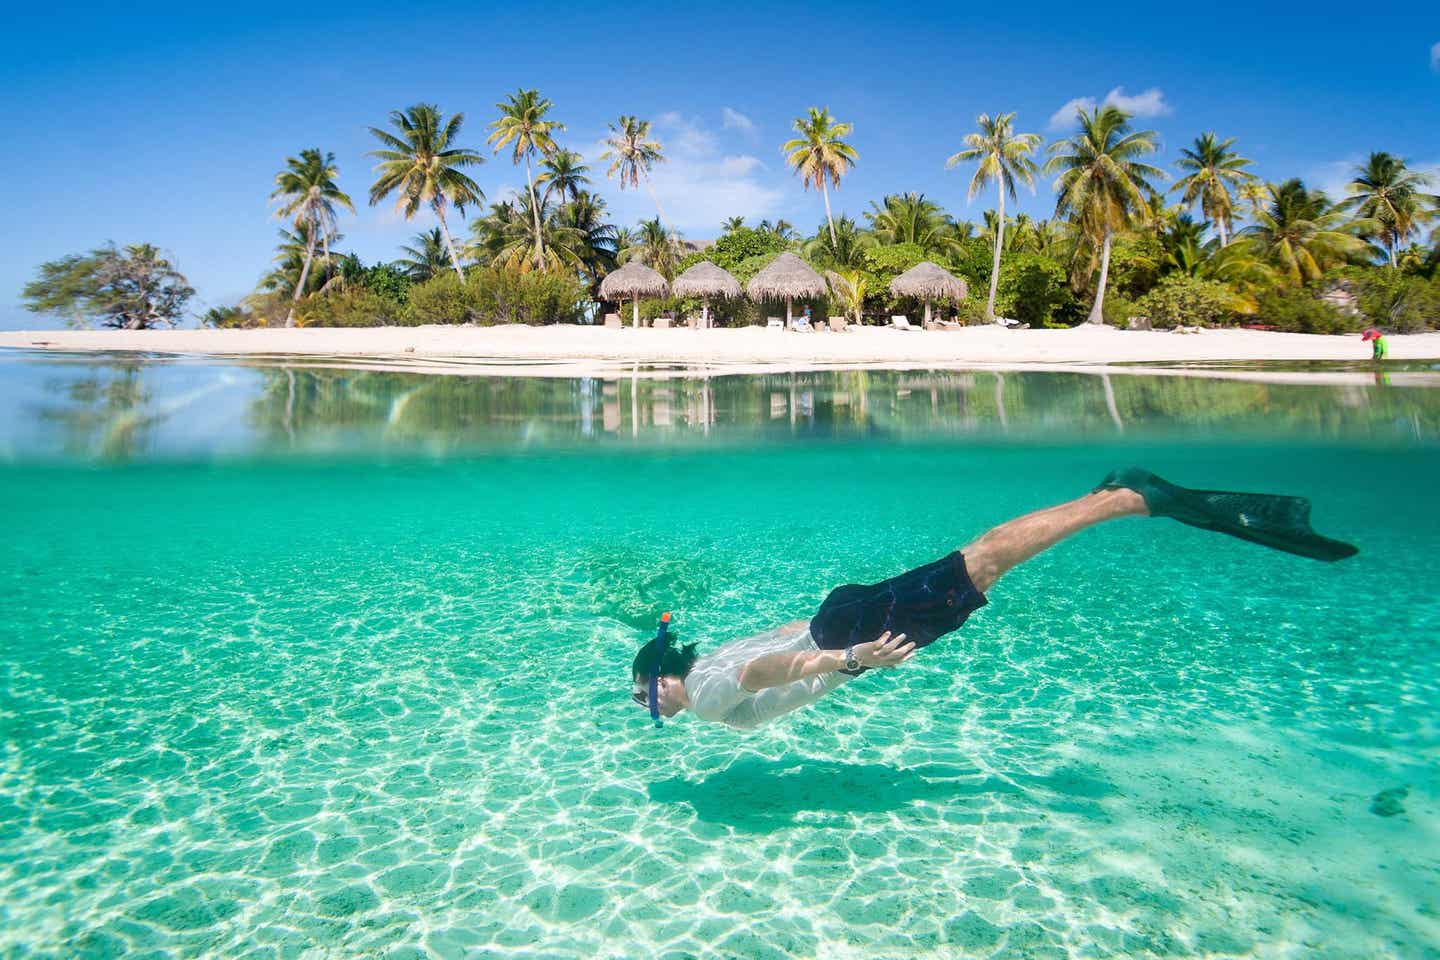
x,y
661,644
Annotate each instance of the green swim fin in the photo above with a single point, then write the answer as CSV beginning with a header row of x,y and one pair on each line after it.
x,y
1282,523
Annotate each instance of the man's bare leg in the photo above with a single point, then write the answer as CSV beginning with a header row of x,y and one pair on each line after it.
x,y
1016,541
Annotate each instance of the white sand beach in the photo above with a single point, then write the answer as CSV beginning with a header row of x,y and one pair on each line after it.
x,y
573,346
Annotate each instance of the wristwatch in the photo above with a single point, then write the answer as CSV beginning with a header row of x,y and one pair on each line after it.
x,y
851,661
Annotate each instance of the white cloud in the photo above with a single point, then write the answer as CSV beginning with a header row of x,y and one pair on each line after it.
x,y
699,185
735,120
1150,103
1333,178
685,137
739,166
1065,116
1435,57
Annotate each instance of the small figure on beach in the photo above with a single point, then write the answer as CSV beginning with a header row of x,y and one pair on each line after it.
x,y
1379,348
859,627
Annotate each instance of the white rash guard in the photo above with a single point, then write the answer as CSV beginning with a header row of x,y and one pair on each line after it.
x,y
713,683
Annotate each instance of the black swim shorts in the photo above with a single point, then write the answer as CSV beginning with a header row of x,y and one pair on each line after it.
x,y
924,604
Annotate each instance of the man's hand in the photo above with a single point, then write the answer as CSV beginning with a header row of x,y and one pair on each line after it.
x,y
884,651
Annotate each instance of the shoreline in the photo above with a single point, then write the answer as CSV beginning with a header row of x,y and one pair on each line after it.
x,y
566,350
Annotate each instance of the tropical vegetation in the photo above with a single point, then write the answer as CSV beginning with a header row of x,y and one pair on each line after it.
x,y
1125,244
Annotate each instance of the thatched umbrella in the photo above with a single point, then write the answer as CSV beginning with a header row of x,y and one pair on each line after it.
x,y
705,280
929,282
786,278
634,280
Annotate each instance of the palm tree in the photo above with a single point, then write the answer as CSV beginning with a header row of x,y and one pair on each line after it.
x,y
782,228
292,255
632,153
1003,156
428,256
309,195
1048,238
849,289
423,166
819,154
1301,234
522,126
597,239
732,224
1103,185
564,173
1213,169
845,250
505,237
1393,196
654,246
1255,192
910,218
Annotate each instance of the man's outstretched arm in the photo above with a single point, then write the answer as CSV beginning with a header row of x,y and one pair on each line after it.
x,y
778,669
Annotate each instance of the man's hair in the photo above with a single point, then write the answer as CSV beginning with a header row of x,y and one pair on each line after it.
x,y
675,663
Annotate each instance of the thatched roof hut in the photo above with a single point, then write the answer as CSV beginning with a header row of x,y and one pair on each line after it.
x,y
787,278
928,281
633,280
705,280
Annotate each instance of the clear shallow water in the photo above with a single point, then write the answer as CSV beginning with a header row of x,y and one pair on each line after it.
x,y
375,704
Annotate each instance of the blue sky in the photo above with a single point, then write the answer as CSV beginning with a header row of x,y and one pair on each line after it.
x,y
167,124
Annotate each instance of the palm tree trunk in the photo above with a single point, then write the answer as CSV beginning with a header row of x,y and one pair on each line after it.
x,y
300,284
995,265
1390,250
449,244
1097,312
828,219
535,214
664,220
1224,234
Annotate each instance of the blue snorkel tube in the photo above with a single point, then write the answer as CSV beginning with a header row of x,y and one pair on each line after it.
x,y
662,643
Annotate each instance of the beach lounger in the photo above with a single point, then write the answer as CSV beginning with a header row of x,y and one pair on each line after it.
x,y
774,323
612,320
837,324
661,323
901,323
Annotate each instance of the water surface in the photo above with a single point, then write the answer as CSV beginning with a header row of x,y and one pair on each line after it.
x,y
304,663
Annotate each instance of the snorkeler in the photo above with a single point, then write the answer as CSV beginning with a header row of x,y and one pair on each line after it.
x,y
751,681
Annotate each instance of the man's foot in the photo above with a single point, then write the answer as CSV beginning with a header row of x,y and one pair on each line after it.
x,y
1279,522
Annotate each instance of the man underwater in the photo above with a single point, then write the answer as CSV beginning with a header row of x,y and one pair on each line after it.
x,y
751,681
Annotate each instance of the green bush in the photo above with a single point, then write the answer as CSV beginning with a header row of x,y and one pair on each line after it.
x,y
734,248
387,280
536,297
971,311
1033,289
973,262
1180,300
1299,310
443,299
229,318
348,308
1399,303
1117,309
1134,266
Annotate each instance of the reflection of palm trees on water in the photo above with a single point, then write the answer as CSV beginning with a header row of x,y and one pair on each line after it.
x,y
123,409
641,403
112,412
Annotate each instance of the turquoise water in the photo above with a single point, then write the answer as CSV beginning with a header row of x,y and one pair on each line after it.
x,y
336,666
